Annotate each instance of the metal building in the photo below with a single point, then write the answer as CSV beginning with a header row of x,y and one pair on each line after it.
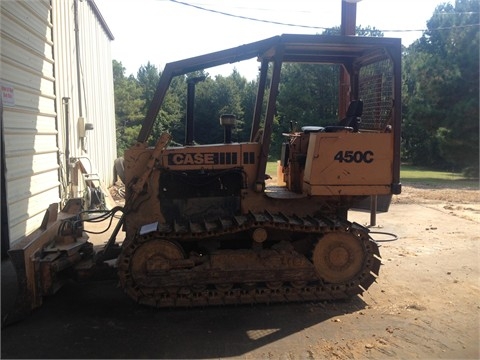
x,y
58,115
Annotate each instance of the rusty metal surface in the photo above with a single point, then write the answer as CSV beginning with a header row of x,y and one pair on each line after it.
x,y
36,270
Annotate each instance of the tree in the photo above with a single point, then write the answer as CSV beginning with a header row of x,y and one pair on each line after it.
x,y
147,79
215,97
128,107
172,114
441,90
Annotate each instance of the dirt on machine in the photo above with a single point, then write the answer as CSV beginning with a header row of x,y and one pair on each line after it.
x,y
202,226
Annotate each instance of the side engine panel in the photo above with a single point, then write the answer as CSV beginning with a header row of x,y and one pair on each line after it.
x,y
191,183
344,163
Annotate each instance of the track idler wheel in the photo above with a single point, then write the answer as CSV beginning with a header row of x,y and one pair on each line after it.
x,y
154,255
338,257
143,259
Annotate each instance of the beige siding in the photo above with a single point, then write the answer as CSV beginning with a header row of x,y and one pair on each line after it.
x,y
38,68
27,69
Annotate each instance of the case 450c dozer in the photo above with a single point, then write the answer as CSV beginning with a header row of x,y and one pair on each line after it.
x,y
201,225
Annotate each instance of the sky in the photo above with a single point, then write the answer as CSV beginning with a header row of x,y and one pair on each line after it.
x,y
161,31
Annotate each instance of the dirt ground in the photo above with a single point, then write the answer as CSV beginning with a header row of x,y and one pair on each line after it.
x,y
427,300
425,304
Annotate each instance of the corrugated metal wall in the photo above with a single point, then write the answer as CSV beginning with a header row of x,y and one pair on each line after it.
x,y
86,79
29,113
38,68
96,66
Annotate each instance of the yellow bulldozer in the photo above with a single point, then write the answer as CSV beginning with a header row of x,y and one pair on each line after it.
x,y
202,225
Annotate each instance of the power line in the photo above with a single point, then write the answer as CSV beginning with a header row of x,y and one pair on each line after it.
x,y
247,17
439,28
318,27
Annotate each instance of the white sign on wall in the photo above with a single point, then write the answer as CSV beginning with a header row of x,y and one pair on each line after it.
x,y
8,95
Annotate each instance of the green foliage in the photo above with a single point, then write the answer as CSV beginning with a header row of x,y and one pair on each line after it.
x,y
128,107
214,98
248,98
147,79
359,31
318,103
308,95
441,90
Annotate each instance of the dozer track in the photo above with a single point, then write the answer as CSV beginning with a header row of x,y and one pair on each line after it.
x,y
154,270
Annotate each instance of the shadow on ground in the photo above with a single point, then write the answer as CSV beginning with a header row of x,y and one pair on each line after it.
x,y
97,320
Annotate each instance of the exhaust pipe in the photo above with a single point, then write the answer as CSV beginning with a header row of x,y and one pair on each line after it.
x,y
189,126
228,122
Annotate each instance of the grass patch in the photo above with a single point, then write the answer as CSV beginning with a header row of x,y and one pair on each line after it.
x,y
419,175
411,175
272,168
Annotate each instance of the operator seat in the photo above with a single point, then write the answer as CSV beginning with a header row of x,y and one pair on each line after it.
x,y
349,123
353,116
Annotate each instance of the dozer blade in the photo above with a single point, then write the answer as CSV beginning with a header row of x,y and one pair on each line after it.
x,y
39,258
